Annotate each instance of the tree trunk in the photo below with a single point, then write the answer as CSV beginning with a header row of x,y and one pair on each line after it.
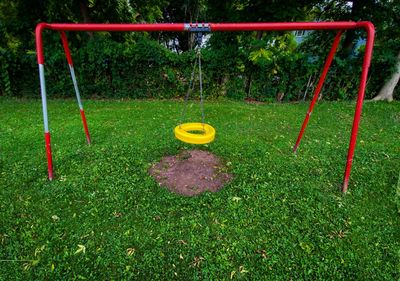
x,y
84,8
387,91
350,35
247,86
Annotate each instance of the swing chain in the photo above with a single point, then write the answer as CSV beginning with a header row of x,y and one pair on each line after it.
x,y
197,62
201,87
190,89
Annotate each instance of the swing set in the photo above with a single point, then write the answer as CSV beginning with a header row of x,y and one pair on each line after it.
x,y
188,132
204,133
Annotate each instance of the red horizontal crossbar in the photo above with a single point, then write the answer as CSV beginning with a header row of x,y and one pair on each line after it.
x,y
248,26
179,27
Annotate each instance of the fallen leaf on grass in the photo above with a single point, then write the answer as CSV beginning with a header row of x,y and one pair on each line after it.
x,y
236,199
117,214
81,249
263,253
130,251
197,261
55,218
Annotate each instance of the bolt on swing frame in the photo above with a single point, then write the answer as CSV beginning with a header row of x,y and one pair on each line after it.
x,y
341,27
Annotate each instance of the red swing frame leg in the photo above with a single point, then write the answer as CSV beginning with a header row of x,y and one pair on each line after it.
x,y
369,27
75,83
318,89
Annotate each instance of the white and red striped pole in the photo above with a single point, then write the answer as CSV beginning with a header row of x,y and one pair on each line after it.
x,y
78,96
40,58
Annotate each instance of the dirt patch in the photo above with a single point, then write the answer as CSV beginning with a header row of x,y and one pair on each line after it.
x,y
191,172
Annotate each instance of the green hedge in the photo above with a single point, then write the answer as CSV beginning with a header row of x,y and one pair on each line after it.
x,y
142,68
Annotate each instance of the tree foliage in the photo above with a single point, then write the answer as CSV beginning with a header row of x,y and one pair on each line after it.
x,y
255,65
386,17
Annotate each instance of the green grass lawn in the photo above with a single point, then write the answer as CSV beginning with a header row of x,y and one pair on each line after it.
x,y
281,218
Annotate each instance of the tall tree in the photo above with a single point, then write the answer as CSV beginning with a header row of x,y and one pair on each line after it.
x,y
387,91
257,11
388,44
385,15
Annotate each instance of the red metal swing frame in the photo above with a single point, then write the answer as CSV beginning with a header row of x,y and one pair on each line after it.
x,y
214,27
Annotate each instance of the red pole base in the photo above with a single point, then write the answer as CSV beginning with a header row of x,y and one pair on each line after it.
x,y
347,170
303,127
49,156
85,126
345,185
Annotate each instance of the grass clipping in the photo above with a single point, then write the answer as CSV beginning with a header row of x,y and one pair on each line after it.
x,y
191,172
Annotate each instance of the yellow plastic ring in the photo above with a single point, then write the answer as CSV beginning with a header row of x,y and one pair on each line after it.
x,y
182,133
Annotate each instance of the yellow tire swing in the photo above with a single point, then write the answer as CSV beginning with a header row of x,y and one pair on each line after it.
x,y
195,133
182,133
